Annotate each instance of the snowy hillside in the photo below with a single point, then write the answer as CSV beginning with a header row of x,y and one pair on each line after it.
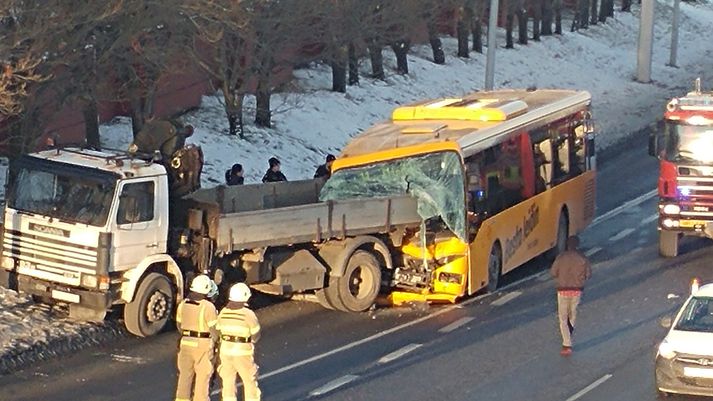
x,y
313,121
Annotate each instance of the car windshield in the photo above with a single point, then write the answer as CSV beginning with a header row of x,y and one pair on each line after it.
x,y
689,143
697,315
69,193
436,181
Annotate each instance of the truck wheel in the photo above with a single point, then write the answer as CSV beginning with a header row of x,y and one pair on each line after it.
x,y
668,243
360,284
495,267
323,299
152,306
562,235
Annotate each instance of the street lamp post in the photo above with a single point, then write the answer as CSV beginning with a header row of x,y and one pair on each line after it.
x,y
674,32
646,42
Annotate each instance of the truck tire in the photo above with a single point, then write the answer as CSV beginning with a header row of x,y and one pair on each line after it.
x,y
495,267
562,235
359,286
152,306
668,243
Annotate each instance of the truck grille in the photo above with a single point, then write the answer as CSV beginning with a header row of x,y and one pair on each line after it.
x,y
48,258
695,188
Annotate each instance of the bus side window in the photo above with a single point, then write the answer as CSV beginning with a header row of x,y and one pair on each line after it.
x,y
578,150
561,161
542,154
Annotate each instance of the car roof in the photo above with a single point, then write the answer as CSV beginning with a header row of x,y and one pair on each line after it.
x,y
704,291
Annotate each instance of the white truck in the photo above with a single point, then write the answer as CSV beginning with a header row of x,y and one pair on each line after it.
x,y
99,228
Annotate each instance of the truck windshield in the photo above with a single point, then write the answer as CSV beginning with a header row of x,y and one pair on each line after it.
x,y
435,180
70,193
697,316
689,143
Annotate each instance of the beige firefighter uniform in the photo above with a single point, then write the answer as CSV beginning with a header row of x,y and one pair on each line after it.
x,y
196,321
239,329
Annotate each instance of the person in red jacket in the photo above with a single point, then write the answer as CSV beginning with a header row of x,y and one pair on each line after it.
x,y
571,270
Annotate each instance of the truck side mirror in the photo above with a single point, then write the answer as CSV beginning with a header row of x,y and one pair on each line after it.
x,y
653,151
666,322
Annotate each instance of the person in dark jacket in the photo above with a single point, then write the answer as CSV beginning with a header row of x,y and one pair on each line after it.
x,y
234,176
571,270
274,174
325,170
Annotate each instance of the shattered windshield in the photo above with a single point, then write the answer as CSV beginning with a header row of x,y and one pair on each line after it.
x,y
69,193
689,143
435,180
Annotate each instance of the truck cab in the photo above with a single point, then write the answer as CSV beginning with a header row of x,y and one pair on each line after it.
x,y
684,148
89,228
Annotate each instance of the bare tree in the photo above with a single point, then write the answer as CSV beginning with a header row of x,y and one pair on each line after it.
x,y
339,28
521,12
547,17
15,79
477,28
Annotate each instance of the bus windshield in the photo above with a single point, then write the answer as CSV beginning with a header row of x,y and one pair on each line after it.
x,y
436,181
689,143
69,193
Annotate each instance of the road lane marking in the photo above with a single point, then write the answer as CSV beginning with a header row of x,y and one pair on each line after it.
x,y
592,252
626,205
650,219
506,298
398,353
590,387
333,385
458,323
622,234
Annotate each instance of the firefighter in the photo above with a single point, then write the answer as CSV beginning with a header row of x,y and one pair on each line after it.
x,y
196,318
239,331
273,173
325,170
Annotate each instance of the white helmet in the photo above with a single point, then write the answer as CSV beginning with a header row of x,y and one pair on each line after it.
x,y
202,284
239,292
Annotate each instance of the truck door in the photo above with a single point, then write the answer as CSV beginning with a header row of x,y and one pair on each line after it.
x,y
140,227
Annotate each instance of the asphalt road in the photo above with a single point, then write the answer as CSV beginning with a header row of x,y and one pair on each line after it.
x,y
503,346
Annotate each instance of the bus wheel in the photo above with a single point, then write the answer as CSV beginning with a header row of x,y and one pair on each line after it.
x,y
495,267
152,306
359,286
562,235
668,243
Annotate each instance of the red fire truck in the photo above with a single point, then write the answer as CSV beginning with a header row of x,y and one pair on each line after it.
x,y
685,150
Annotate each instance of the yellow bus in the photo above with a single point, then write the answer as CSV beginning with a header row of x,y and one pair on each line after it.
x,y
500,177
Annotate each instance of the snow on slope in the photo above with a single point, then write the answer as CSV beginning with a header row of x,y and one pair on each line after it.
x,y
313,121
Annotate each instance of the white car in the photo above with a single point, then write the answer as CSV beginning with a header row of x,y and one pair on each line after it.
x,y
684,361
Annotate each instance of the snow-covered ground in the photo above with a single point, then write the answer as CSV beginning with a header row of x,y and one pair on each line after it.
x,y
312,121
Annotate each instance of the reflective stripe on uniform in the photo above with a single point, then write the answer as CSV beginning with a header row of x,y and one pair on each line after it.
x,y
201,318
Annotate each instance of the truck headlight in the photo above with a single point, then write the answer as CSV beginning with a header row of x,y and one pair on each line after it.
x,y
666,350
8,263
89,281
671,209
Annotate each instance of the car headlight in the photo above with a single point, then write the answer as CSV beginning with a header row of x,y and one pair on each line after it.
x,y
8,263
671,209
666,350
89,281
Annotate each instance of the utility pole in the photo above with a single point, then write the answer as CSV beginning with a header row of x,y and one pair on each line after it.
x,y
490,61
646,42
674,32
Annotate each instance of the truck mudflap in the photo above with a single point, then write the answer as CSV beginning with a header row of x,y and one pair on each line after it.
x,y
8,279
90,299
398,298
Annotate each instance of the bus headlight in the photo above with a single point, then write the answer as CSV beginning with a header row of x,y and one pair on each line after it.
x,y
671,209
8,263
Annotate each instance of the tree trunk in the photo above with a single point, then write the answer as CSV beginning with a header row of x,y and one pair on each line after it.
x,y
536,19
353,65
547,15
262,97
233,110
593,11
90,112
462,32
521,23
610,8
584,14
439,56
509,22
603,9
339,69
377,60
558,16
477,28
401,49
626,6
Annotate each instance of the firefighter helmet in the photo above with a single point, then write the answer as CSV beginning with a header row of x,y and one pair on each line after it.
x,y
202,284
239,292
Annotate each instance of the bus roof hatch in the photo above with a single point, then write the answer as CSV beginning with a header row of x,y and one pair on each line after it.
x,y
468,109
